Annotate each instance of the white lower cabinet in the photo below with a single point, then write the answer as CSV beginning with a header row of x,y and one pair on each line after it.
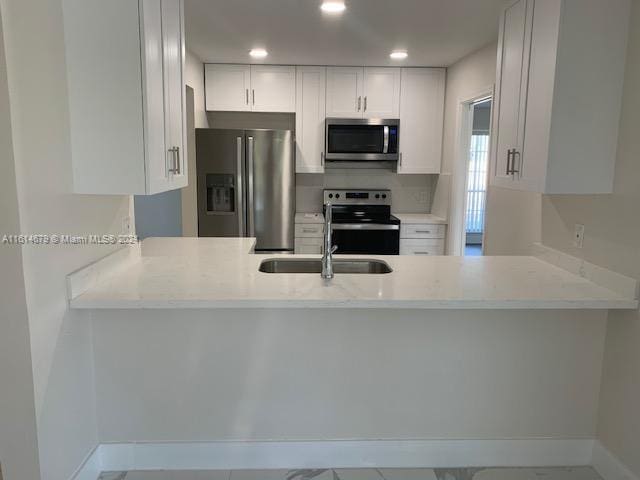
x,y
309,229
418,246
422,239
125,76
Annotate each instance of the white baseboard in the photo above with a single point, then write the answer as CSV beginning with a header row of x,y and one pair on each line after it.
x,y
608,466
338,454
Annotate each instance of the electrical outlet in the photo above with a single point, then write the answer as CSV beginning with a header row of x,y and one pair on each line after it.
x,y
126,225
578,236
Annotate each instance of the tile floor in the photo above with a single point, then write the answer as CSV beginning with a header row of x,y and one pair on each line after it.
x,y
575,473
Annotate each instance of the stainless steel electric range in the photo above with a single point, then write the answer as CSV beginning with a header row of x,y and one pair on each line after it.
x,y
362,222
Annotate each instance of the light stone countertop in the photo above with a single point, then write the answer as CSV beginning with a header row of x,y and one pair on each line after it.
x,y
223,273
421,219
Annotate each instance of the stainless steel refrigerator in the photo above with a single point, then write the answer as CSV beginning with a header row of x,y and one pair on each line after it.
x,y
246,186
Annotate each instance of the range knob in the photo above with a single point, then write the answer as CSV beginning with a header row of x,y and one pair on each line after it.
x,y
337,195
384,195
377,195
331,195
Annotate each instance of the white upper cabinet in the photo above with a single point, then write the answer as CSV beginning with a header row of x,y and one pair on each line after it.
x,y
512,81
228,87
381,94
257,88
273,88
421,120
344,92
310,116
356,92
126,95
558,95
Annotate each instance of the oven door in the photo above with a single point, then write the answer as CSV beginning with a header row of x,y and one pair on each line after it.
x,y
361,139
366,239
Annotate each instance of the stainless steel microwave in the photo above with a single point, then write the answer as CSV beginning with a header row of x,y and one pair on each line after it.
x,y
362,139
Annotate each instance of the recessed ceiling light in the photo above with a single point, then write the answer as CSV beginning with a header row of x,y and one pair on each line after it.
x,y
258,53
333,6
399,55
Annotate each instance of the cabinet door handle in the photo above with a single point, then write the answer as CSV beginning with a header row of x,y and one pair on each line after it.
x,y
247,95
509,153
400,160
253,96
178,166
173,169
513,161
365,103
359,103
322,159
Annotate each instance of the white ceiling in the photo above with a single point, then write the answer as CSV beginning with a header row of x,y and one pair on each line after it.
x,y
434,32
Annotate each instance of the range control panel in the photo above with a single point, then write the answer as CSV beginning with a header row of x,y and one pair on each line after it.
x,y
358,197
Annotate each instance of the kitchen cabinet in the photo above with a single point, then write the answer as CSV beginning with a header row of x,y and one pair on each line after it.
x,y
421,120
256,88
369,92
273,88
558,95
310,116
228,87
129,137
309,228
422,239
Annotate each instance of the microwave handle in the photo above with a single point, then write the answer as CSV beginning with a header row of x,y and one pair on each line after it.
x,y
385,146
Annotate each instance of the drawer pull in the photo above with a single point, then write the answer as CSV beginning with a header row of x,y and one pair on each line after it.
x,y
423,231
421,253
310,230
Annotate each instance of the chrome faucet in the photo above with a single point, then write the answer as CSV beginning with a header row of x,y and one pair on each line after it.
x,y
327,257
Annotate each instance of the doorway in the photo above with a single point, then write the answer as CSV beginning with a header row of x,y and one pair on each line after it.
x,y
477,177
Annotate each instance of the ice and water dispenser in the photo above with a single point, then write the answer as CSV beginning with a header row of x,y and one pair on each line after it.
x,y
221,193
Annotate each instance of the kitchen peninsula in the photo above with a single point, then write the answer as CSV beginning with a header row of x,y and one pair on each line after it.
x,y
200,359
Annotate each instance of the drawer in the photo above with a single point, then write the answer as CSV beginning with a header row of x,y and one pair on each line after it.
x,y
308,246
415,230
421,246
309,230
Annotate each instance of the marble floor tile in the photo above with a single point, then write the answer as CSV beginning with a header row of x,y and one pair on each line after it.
x,y
573,473
358,474
407,474
259,474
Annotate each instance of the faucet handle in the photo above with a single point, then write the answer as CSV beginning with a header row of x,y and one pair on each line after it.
x,y
334,248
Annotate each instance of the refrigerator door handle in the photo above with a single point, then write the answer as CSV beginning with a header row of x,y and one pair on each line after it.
x,y
250,206
239,193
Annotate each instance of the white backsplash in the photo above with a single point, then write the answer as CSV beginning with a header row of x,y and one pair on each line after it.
x,y
409,193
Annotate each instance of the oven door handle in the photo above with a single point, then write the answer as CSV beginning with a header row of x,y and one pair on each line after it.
x,y
364,226
385,146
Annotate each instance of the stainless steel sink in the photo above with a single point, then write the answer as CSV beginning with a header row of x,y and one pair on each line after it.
x,y
310,265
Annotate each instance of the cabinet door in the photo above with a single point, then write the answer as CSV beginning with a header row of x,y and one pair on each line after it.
x,y
174,91
227,87
381,96
156,156
512,83
421,120
310,115
273,88
344,92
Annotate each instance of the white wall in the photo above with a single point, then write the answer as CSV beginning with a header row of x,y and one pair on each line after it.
x,y
60,340
176,375
18,437
612,239
467,79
